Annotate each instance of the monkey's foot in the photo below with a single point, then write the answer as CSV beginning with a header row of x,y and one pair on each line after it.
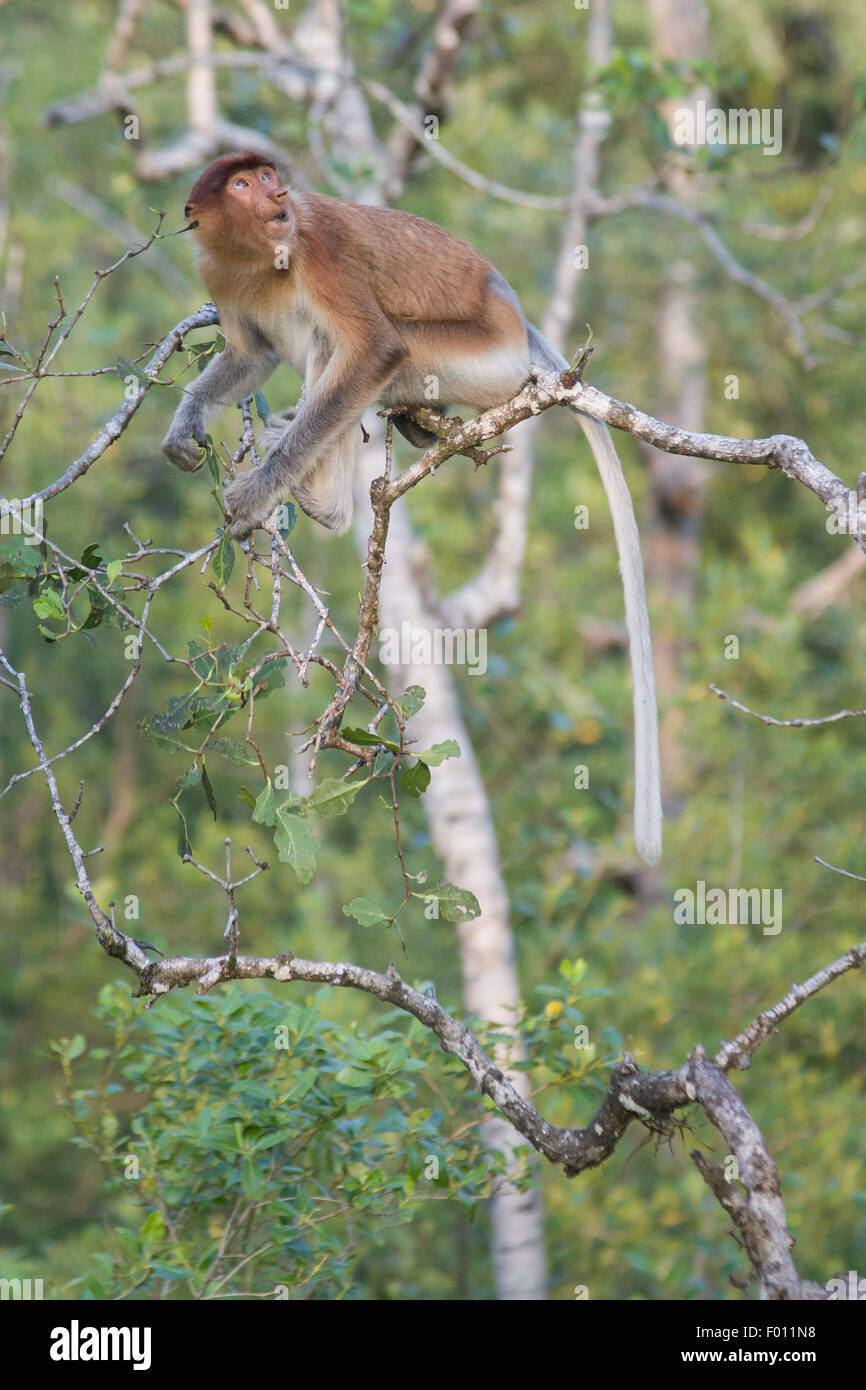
x,y
249,502
271,435
415,433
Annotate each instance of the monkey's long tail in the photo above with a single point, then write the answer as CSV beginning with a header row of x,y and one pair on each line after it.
x,y
647,776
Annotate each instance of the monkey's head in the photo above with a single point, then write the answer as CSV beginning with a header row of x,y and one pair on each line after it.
x,y
240,199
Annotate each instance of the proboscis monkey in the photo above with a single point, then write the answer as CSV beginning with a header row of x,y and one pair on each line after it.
x,y
369,304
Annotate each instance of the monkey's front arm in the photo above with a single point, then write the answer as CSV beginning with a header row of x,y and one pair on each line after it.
x,y
225,380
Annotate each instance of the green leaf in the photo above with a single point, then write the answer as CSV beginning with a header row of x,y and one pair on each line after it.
x,y
235,749
415,780
24,558
296,844
277,1136
265,805
215,663
367,913
13,594
165,740
223,561
365,739
112,570
455,904
253,1180
197,707
439,752
383,763
411,700
262,407
333,797
302,1085
207,788
153,1228
91,557
206,352
271,677
354,1077
76,1047
125,369
48,605
246,796
97,612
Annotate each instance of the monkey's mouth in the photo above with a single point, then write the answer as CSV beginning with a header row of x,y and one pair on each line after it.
x,y
279,218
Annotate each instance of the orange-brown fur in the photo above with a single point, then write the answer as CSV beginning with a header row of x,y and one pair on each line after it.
x,y
371,273
386,305
372,304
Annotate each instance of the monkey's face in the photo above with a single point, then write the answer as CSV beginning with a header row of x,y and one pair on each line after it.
x,y
257,195
252,208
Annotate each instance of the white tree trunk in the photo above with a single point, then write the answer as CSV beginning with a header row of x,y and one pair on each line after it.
x,y
461,827
678,485
456,803
201,84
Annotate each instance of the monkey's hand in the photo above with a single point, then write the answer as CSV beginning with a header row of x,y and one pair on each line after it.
x,y
249,501
183,445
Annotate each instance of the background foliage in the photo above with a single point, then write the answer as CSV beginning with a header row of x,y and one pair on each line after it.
x,y
761,802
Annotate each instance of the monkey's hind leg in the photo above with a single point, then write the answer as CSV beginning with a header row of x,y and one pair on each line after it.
x,y
326,493
415,433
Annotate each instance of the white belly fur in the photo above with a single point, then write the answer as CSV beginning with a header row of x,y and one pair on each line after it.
x,y
292,333
479,379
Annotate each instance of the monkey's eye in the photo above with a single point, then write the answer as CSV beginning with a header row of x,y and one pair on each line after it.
x,y
240,183
266,174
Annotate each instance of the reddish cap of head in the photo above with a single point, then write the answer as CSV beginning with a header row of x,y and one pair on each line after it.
x,y
216,175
